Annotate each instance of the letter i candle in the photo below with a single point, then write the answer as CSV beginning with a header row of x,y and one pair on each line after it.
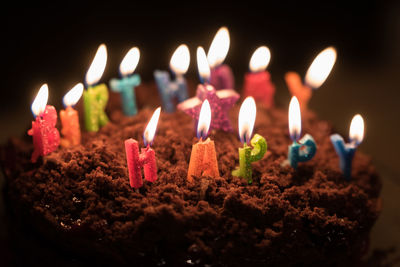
x,y
346,151
304,149
126,85
95,97
255,152
315,77
203,159
70,119
258,83
46,137
146,159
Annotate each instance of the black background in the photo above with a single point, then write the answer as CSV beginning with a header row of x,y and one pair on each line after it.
x,y
55,44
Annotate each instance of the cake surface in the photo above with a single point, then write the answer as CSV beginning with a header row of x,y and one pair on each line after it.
x,y
79,203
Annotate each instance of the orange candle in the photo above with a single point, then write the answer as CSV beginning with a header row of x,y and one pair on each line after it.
x,y
203,159
315,77
69,118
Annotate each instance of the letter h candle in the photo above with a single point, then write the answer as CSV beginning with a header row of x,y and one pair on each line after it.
x,y
146,159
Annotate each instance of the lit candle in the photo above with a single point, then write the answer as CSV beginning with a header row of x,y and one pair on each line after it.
x,y
221,74
46,137
126,85
69,118
255,152
146,158
177,89
203,159
96,96
304,149
346,151
315,77
258,83
221,101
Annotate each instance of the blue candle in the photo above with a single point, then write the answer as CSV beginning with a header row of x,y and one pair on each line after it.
x,y
126,85
171,90
304,149
346,151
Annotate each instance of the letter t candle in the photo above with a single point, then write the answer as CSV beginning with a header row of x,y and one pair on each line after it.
x,y
346,151
203,159
247,154
69,118
304,149
146,158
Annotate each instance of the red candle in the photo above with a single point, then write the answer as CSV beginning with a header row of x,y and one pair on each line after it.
x,y
258,83
146,159
46,137
69,118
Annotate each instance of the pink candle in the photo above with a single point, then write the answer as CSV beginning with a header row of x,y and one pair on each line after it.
x,y
46,137
146,159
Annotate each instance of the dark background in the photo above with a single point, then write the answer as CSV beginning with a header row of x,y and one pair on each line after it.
x,y
55,44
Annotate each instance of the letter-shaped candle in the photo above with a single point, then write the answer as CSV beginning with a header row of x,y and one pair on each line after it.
x,y
258,83
70,119
203,159
304,149
96,96
221,74
126,85
177,89
146,158
46,137
346,151
255,152
315,77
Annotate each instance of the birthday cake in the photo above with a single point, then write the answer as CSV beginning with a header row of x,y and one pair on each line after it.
x,y
76,207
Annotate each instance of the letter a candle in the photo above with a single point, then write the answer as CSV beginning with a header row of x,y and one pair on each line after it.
x,y
70,119
304,149
346,151
315,77
46,137
255,152
146,158
203,159
96,96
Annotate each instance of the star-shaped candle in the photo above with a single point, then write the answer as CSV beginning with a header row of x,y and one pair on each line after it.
x,y
220,101
346,151
203,159
177,88
315,77
95,97
46,137
255,152
70,119
221,74
126,85
146,159
258,83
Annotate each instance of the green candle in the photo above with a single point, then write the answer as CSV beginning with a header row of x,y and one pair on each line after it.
x,y
248,154
95,100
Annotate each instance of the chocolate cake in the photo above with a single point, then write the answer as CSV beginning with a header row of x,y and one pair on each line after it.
x,y
75,206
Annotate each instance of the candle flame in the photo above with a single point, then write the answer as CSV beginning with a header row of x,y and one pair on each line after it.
x,y
294,119
202,64
97,67
204,120
148,135
219,47
321,67
180,60
357,129
73,95
260,59
40,102
130,62
247,117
